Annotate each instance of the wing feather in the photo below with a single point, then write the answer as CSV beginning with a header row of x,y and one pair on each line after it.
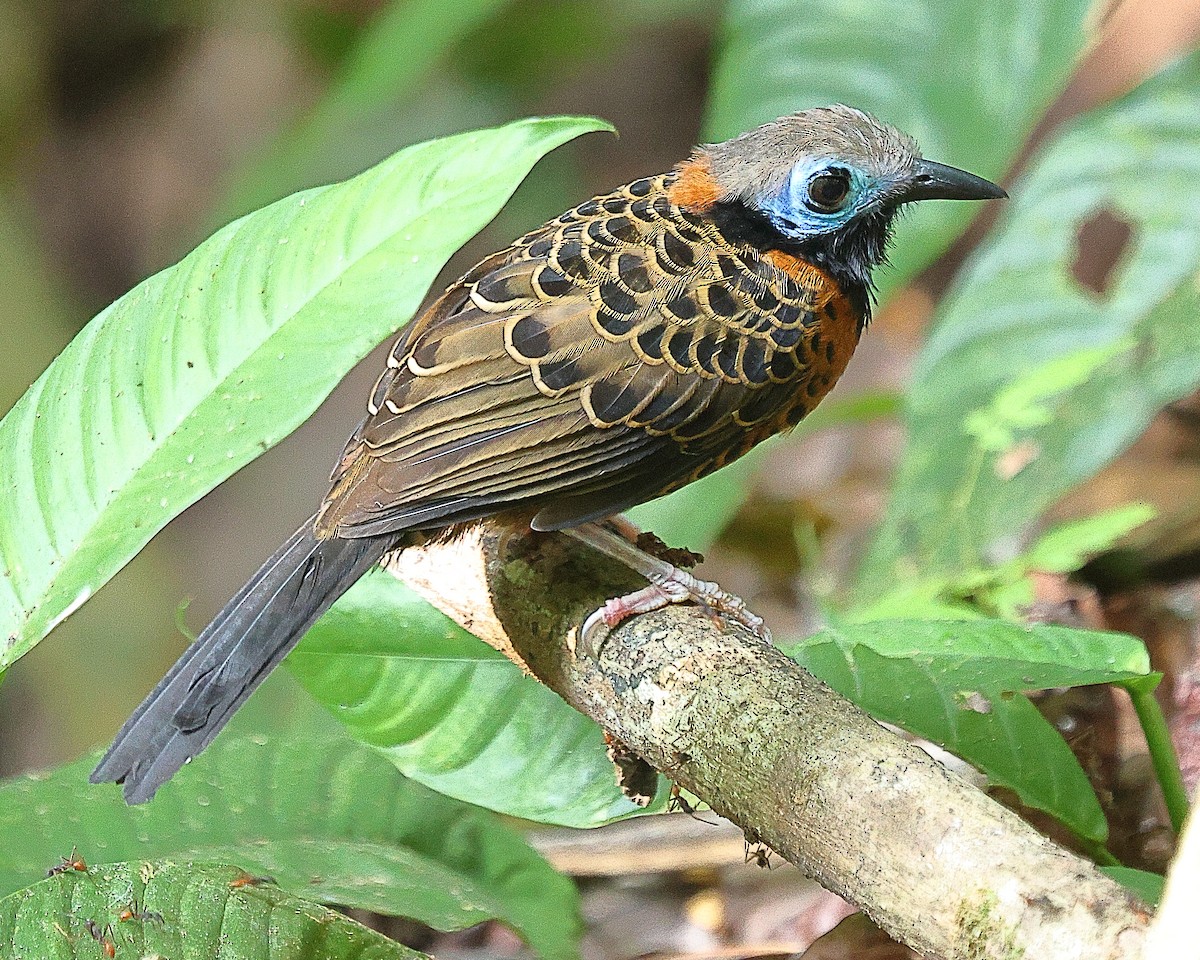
x,y
611,355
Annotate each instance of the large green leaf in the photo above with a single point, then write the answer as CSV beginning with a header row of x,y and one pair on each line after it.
x,y
957,683
178,910
453,713
202,367
968,82
1031,383
318,812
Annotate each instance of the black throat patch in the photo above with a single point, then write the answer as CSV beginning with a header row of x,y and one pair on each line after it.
x,y
849,254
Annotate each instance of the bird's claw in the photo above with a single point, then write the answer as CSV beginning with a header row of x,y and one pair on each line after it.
x,y
678,586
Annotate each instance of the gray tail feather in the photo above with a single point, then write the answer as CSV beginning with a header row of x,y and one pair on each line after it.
x,y
234,654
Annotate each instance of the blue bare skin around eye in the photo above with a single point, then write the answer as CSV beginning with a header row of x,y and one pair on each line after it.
x,y
791,216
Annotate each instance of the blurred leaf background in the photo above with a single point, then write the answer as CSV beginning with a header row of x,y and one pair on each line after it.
x,y
134,129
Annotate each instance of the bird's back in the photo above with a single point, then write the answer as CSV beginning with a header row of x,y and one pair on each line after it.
x,y
619,351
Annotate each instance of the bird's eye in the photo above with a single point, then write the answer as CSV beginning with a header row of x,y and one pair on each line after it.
x,y
827,193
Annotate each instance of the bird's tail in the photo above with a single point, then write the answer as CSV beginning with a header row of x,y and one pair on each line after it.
x,y
233,655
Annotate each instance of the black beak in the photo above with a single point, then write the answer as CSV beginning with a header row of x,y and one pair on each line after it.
x,y
936,181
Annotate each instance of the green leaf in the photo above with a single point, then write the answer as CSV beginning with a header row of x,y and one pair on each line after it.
x,y
199,369
955,683
1068,546
316,811
184,910
1148,886
1004,590
1031,383
968,86
452,713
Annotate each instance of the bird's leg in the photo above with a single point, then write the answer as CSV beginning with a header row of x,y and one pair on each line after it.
x,y
668,584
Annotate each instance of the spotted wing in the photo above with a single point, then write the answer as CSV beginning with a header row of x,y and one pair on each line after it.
x,y
614,354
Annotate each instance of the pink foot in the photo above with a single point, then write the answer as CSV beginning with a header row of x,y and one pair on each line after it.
x,y
678,586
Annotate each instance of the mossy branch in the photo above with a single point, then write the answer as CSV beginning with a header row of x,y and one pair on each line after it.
x,y
934,861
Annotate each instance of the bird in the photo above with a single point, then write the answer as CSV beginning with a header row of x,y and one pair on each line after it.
x,y
639,341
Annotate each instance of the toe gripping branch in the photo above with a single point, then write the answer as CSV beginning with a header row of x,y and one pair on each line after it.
x,y
668,585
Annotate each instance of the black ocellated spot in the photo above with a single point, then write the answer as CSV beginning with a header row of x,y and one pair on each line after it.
x,y
503,288
540,247
569,259
553,283
589,208
650,341
616,324
623,229
615,205
613,401
706,352
765,300
557,374
679,344
682,306
831,310
680,253
727,357
796,414
784,365
662,402
640,188
597,232
641,210
815,341
830,351
661,206
530,338
632,271
722,302
786,337
728,267
754,361
787,314
613,296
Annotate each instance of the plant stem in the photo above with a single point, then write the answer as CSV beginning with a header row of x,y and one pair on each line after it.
x,y
1162,751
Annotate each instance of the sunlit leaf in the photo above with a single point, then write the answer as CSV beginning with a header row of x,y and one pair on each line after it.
x,y
453,713
957,684
326,817
199,369
179,910
1031,382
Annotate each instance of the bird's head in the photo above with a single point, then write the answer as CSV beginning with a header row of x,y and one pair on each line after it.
x,y
826,182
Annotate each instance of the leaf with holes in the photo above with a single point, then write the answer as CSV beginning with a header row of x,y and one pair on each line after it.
x,y
956,683
167,909
318,812
968,86
196,371
453,713
1031,382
